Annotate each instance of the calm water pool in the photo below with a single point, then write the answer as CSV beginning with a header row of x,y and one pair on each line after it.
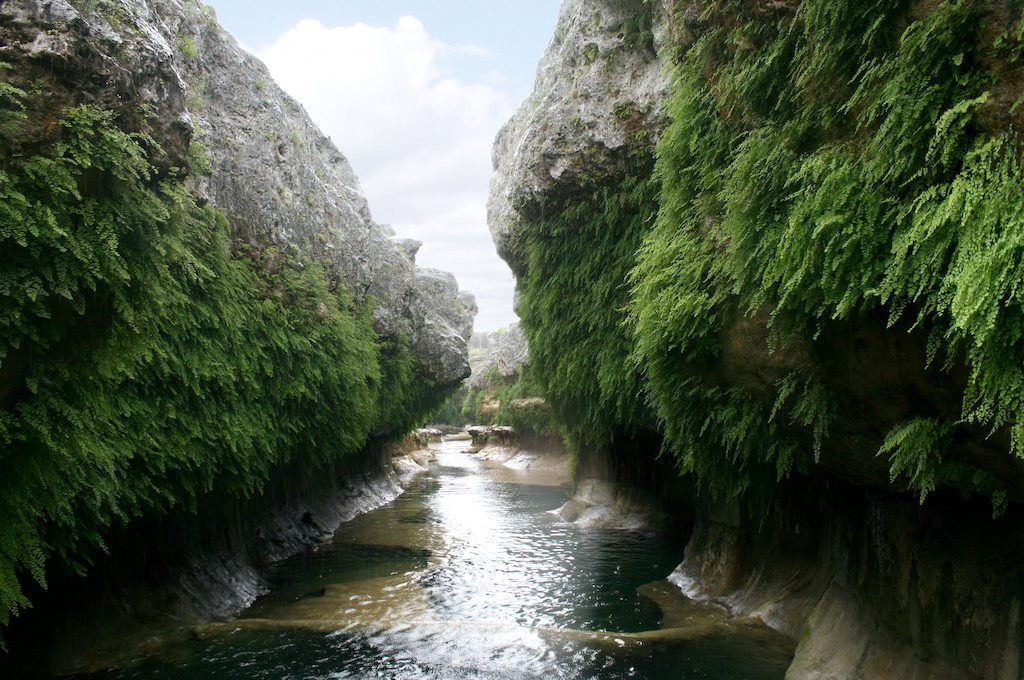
x,y
466,575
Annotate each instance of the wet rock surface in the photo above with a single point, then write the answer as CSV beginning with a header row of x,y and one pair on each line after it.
x,y
540,461
608,494
869,585
145,603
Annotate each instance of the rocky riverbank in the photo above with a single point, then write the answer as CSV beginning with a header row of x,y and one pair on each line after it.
x,y
159,581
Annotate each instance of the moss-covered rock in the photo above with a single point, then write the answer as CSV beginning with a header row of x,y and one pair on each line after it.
x,y
194,298
815,274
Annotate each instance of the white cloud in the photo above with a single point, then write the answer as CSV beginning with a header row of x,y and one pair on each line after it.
x,y
418,137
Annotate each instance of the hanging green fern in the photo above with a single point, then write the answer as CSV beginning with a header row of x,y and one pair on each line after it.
x,y
144,364
572,295
916,450
827,164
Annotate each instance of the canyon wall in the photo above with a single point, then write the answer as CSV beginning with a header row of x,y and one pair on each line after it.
x,y
779,244
201,318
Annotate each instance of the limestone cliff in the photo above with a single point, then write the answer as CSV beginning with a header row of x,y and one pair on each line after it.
x,y
201,317
598,95
251,150
636,195
504,358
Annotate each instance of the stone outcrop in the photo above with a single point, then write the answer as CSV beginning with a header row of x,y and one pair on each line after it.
x,y
507,352
499,389
868,584
626,492
544,458
482,435
598,95
168,69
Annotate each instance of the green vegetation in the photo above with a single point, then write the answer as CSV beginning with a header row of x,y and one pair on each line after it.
x,y
839,162
450,412
637,30
198,159
490,398
209,15
144,363
577,259
188,46
518,404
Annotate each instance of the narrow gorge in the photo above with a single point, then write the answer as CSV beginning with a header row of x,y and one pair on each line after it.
x,y
759,418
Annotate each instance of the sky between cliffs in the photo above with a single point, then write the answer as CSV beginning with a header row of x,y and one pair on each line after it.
x,y
412,92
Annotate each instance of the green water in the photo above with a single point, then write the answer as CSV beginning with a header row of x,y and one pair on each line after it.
x,y
466,575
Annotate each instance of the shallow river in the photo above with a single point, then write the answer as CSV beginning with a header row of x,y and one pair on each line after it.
x,y
468,575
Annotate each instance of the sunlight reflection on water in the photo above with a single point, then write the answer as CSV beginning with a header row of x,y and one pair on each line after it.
x,y
466,576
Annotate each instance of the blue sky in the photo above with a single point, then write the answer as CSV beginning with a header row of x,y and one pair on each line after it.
x,y
515,33
413,94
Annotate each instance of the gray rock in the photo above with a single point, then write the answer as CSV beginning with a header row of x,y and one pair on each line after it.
x,y
468,302
598,94
438,330
507,352
408,247
281,182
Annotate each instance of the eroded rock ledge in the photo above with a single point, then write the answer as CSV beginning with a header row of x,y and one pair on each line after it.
x,y
157,580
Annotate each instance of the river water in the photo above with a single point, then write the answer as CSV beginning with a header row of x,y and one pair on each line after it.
x,y
469,575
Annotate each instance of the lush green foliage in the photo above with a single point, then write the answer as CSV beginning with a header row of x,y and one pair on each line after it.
x,y
451,412
826,202
143,363
574,292
637,29
511,401
521,406
824,163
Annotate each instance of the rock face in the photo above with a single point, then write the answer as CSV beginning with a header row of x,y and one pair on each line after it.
x,y
501,389
208,112
507,352
214,571
851,567
598,93
251,150
868,584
